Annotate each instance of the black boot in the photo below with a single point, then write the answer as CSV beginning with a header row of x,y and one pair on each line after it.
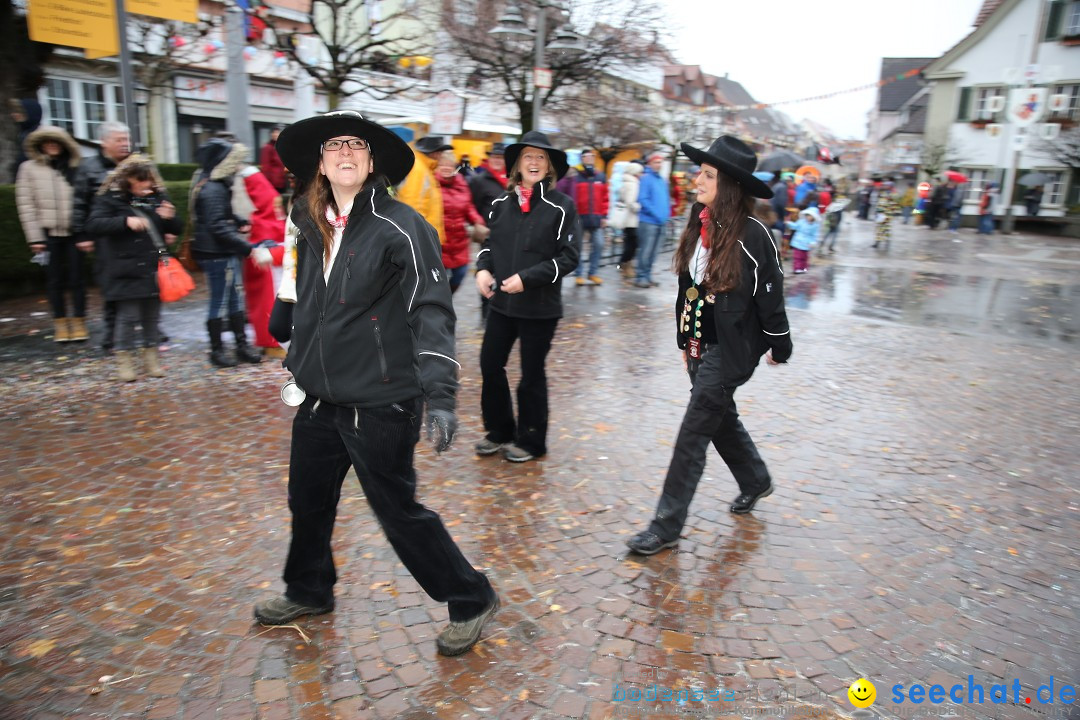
x,y
217,350
244,352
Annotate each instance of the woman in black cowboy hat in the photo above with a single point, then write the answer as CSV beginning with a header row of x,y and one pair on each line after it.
x,y
520,269
730,312
372,344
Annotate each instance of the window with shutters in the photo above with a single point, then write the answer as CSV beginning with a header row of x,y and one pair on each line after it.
x,y
1072,109
1072,19
987,107
963,113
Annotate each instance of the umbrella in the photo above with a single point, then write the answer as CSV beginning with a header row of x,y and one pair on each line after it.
x,y
764,176
809,170
787,175
956,177
779,160
1033,179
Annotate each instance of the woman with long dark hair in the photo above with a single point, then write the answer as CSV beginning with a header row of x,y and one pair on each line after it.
x,y
372,343
729,313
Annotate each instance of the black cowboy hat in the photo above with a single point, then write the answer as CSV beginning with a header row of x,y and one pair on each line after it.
x,y
735,159
432,144
537,139
497,149
298,144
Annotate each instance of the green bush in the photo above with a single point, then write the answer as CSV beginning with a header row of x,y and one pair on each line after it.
x,y
177,171
19,276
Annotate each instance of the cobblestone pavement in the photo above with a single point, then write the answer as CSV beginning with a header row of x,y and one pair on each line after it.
x,y
924,527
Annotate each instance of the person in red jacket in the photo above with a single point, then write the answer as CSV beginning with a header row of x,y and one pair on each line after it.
x,y
267,231
270,162
458,211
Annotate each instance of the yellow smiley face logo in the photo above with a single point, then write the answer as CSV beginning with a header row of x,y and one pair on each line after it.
x,y
862,693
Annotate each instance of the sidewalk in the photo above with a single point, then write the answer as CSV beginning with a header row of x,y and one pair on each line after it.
x,y
924,528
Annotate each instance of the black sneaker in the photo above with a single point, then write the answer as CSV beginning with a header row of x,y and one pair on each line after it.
x,y
745,502
281,610
649,543
458,637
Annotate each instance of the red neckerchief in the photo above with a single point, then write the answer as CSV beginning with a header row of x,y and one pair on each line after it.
x,y
500,177
706,220
336,221
526,196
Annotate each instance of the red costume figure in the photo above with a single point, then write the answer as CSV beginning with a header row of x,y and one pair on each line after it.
x,y
267,230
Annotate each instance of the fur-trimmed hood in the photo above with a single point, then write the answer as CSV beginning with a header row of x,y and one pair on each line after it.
x,y
45,133
220,159
112,180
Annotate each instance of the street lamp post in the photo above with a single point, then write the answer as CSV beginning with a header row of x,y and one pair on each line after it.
x,y
512,26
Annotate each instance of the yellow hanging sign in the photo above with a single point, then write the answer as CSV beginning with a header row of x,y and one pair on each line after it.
x,y
74,23
182,10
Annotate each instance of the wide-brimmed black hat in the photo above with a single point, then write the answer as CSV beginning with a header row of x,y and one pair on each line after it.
x,y
433,143
735,159
497,149
298,144
537,139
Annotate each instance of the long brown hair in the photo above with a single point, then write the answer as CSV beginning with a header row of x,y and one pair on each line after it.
x,y
319,195
513,176
729,210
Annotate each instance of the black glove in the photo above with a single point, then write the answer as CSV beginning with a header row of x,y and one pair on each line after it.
x,y
441,427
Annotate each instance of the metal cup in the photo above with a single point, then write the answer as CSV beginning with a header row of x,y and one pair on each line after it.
x,y
292,394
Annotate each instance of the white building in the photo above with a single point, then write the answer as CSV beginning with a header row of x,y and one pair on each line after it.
x,y
1020,51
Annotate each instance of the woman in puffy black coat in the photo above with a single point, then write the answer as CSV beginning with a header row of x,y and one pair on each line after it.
x,y
132,215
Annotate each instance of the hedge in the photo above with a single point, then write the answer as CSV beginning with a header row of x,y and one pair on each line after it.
x,y
177,171
19,276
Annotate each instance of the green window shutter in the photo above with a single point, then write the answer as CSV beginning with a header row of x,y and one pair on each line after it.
x,y
1053,20
963,114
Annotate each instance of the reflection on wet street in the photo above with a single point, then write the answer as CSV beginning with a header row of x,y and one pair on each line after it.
x,y
925,525
1001,286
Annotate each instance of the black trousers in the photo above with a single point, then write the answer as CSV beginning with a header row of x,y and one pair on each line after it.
x,y
144,312
629,248
711,417
379,443
65,272
500,333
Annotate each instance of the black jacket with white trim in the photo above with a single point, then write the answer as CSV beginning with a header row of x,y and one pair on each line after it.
x,y
748,321
381,331
539,246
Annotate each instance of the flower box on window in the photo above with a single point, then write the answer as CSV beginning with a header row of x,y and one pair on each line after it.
x,y
979,124
1070,40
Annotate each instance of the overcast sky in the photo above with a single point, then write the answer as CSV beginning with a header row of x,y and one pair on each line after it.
x,y
789,49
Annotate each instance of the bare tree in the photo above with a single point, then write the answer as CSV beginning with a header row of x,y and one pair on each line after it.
x,y
1064,149
621,33
354,36
608,122
936,157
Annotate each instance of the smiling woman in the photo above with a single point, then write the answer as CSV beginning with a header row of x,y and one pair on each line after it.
x,y
372,332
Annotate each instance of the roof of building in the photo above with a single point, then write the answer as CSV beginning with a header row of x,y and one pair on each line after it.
x,y
893,94
916,122
987,9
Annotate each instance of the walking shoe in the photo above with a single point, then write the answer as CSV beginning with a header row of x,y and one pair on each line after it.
x,y
61,332
488,447
581,281
281,610
79,333
457,637
745,502
647,542
596,280
513,453
643,284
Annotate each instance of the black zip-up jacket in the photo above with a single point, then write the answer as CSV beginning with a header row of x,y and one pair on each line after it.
x,y
538,245
382,330
749,320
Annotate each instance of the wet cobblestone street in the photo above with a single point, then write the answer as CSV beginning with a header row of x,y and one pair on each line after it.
x,y
925,526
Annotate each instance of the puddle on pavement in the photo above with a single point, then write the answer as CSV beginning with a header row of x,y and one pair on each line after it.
x,y
1048,311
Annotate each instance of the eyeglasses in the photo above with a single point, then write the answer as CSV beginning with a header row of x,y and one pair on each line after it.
x,y
333,145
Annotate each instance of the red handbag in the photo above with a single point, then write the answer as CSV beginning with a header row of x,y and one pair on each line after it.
x,y
174,282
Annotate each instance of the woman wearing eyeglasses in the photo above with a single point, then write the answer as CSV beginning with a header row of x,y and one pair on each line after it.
x,y
372,344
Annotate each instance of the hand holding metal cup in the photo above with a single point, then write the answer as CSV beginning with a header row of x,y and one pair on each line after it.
x,y
292,394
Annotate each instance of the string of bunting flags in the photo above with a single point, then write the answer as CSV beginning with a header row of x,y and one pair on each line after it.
x,y
884,81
